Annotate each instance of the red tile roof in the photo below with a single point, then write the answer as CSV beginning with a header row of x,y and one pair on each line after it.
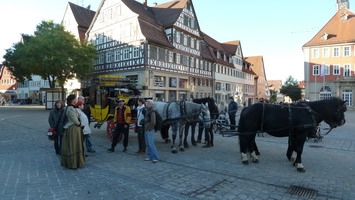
x,y
338,31
214,47
257,65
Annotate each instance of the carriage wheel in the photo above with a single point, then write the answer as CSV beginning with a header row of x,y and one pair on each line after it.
x,y
110,127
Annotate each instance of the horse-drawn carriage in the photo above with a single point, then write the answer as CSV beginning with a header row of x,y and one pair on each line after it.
x,y
103,93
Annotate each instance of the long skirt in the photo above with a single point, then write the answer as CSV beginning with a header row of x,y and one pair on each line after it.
x,y
73,148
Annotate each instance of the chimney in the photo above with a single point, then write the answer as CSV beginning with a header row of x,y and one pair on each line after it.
x,y
145,3
89,6
155,3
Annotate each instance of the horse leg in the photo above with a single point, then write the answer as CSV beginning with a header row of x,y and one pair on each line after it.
x,y
253,149
165,133
290,151
193,128
299,150
243,149
174,127
187,126
181,132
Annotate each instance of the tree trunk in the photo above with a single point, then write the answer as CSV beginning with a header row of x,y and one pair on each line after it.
x,y
63,92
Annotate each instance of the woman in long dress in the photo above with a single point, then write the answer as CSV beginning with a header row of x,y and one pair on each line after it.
x,y
72,145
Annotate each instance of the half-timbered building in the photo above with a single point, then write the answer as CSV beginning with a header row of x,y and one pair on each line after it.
x,y
159,48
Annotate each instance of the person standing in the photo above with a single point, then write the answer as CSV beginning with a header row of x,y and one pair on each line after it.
x,y
122,120
141,111
85,122
86,109
72,145
56,121
232,111
149,124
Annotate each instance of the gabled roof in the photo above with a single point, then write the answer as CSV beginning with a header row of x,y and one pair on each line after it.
x,y
338,31
205,52
214,47
231,47
140,10
154,33
83,16
168,13
257,65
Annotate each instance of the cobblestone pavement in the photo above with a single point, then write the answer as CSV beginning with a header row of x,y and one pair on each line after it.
x,y
29,168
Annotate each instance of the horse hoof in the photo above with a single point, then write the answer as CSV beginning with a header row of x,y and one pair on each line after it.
x,y
301,170
255,160
167,141
245,162
173,151
182,149
186,145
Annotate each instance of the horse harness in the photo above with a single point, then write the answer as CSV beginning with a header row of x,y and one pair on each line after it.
x,y
183,111
290,118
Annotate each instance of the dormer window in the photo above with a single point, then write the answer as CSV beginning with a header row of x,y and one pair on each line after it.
x,y
218,55
224,57
344,16
325,36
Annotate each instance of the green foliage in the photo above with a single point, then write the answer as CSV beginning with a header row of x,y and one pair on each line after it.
x,y
291,89
52,53
273,98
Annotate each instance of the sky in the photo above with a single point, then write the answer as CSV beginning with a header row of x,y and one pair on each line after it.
x,y
276,29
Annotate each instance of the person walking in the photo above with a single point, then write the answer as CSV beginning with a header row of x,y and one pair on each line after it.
x,y
72,145
56,121
232,111
85,122
141,111
149,124
122,119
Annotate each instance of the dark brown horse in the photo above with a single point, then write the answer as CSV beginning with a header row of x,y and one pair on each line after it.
x,y
296,121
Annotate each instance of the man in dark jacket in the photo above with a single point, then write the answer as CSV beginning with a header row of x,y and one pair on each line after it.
x,y
232,111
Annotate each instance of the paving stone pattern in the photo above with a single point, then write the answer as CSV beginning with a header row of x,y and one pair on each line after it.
x,y
29,168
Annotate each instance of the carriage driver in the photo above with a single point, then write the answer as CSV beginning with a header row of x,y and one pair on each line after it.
x,y
122,119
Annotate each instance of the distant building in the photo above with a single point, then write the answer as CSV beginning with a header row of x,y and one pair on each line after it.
x,y
8,85
275,88
330,60
257,65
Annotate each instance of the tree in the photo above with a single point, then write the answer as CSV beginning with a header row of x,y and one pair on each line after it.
x,y
291,89
52,53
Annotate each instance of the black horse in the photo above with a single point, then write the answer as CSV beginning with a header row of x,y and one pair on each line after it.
x,y
296,121
212,106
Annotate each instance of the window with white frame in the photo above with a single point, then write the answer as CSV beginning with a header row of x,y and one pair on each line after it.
x,y
177,58
192,43
109,56
326,69
336,69
135,52
347,70
218,55
197,45
171,56
347,51
315,53
126,54
325,93
336,52
185,40
316,70
325,52
177,36
348,97
117,55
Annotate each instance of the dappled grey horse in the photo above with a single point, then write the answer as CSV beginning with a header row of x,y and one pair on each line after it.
x,y
177,114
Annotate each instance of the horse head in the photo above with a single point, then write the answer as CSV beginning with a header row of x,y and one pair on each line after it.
x,y
205,116
335,116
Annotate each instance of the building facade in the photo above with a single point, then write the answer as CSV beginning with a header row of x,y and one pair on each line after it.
x,y
261,86
330,58
8,85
